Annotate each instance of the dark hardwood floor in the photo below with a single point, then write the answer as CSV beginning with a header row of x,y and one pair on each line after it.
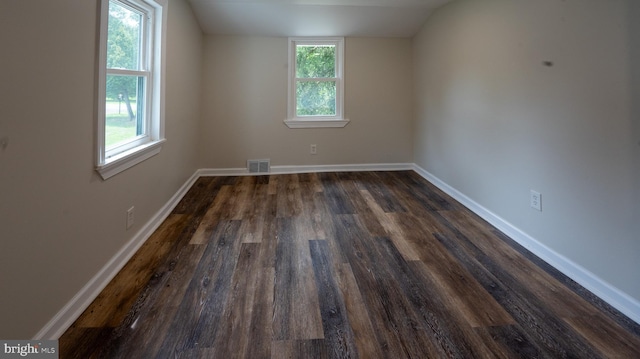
x,y
340,265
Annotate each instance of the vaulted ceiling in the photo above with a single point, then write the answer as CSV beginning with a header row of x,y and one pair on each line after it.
x,y
369,18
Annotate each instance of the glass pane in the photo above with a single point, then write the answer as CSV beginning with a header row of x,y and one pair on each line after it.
x,y
315,61
124,38
124,109
316,98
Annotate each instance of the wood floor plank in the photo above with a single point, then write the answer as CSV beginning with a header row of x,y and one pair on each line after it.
x,y
212,216
452,336
269,237
606,310
273,185
363,331
340,265
204,299
242,195
389,311
152,322
285,284
511,340
283,349
365,212
217,268
337,200
198,214
290,349
555,337
335,323
312,180
296,312
451,278
254,216
350,186
141,332
382,195
561,300
261,327
200,194
80,342
288,195
235,322
391,227
466,295
313,209
608,338
323,224
123,291
418,195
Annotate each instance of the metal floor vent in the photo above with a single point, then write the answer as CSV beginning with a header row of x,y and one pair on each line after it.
x,y
258,166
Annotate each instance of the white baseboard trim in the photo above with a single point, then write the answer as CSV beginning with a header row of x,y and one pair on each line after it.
x,y
613,296
81,301
213,172
343,168
308,169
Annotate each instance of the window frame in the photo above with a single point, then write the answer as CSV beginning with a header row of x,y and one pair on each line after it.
x,y
110,162
295,121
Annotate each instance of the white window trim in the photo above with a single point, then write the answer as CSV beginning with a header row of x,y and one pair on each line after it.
x,y
337,121
151,144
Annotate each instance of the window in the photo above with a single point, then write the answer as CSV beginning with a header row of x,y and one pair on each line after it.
x,y
316,85
130,96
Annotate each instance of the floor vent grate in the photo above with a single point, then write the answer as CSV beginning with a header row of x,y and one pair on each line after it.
x,y
258,166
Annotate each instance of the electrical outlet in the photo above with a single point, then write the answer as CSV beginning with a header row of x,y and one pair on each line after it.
x,y
314,149
536,200
130,217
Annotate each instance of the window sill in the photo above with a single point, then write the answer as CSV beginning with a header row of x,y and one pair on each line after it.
x,y
128,159
316,123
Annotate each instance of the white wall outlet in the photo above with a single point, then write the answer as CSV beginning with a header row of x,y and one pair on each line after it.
x,y
130,216
536,200
314,149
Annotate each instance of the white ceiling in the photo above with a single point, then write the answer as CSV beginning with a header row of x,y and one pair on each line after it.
x,y
369,18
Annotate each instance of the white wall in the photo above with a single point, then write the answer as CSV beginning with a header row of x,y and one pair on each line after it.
x,y
59,222
245,103
633,40
493,121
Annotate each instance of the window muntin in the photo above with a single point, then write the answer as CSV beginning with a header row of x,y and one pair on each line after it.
x,y
131,91
316,81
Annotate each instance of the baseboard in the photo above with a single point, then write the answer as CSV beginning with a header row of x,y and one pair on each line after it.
x,y
77,305
308,169
613,296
